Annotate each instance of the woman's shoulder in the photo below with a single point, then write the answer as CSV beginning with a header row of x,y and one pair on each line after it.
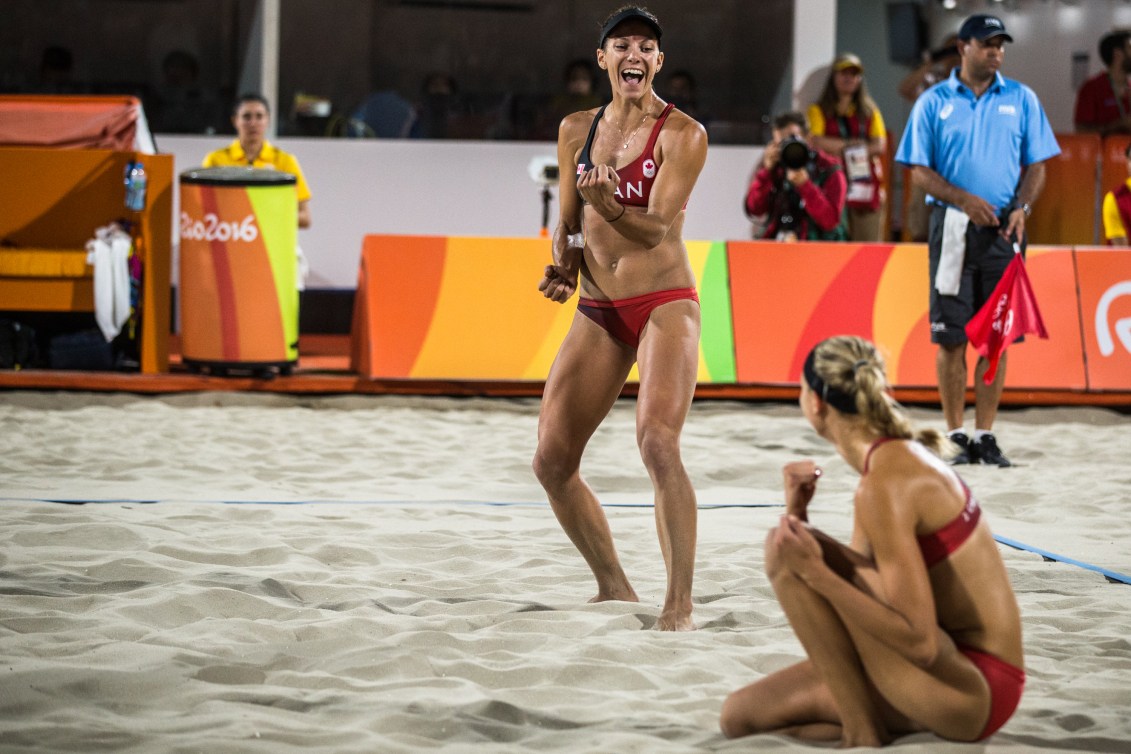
x,y
685,128
223,155
905,472
577,123
583,118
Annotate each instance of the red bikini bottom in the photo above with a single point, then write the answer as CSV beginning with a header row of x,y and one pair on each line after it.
x,y
1006,684
625,318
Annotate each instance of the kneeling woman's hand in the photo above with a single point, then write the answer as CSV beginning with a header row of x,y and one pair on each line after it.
x,y
800,481
797,549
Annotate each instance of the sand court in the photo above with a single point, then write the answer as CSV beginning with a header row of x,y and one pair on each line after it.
x,y
359,574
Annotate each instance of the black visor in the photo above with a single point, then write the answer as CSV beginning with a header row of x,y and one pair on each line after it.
x,y
626,15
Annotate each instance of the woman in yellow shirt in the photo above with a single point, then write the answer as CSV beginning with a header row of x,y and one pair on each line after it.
x,y
251,118
846,122
1117,209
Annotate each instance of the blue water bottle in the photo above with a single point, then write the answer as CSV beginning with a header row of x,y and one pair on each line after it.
x,y
135,186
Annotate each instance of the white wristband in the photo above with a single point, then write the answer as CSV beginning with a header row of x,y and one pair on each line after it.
x,y
576,240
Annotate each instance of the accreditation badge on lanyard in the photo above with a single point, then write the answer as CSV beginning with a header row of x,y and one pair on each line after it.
x,y
858,169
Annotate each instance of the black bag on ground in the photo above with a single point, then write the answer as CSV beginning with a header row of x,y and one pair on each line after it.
x,y
85,350
18,349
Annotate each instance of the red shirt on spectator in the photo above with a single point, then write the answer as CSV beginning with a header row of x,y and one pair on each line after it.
x,y
822,196
1097,105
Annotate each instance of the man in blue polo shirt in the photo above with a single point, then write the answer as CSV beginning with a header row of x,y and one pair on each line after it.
x,y
976,143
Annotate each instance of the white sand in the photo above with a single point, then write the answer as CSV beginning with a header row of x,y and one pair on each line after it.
x,y
398,611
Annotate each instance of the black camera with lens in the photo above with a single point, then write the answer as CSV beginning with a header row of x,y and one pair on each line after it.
x,y
795,153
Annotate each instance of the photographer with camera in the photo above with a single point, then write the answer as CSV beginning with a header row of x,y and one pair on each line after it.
x,y
799,190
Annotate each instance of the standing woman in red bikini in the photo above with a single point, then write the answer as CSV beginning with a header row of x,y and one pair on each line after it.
x,y
913,626
619,245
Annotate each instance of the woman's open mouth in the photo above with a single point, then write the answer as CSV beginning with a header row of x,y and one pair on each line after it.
x,y
632,75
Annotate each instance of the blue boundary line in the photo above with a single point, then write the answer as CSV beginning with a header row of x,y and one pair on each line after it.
x,y
488,503
1111,576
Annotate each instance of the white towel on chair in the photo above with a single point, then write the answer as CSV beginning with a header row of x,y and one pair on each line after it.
x,y
109,253
948,276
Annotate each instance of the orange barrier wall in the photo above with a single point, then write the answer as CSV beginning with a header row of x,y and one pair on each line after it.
x,y
1065,212
788,297
468,308
1105,309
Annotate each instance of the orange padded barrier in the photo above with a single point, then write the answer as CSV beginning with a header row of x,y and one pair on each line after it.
x,y
1105,309
1113,167
788,297
1066,211
426,310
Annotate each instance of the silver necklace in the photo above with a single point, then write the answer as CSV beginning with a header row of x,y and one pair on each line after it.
x,y
633,134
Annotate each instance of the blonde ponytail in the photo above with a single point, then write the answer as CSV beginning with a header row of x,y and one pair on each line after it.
x,y
853,371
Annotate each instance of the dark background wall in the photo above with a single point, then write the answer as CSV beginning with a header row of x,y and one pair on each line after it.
x,y
342,49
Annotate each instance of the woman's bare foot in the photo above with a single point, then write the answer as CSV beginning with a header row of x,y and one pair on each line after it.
x,y
623,594
675,620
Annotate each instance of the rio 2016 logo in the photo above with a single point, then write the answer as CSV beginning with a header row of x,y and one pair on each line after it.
x,y
1122,327
211,228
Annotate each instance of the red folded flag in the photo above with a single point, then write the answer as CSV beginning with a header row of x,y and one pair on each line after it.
x,y
1010,312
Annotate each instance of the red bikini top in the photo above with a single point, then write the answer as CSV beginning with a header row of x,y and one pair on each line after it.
x,y
636,177
938,545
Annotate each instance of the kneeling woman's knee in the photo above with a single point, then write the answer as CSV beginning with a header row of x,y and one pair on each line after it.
x,y
735,718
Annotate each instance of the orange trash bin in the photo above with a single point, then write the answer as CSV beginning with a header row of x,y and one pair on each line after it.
x,y
238,294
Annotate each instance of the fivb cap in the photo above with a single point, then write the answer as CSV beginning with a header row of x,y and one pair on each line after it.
x,y
982,26
629,14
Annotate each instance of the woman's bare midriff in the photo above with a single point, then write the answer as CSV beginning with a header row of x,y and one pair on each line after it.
x,y
616,268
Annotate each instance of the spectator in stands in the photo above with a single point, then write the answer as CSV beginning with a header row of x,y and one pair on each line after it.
x,y
1117,209
681,91
439,97
580,93
936,67
181,106
56,72
1103,104
846,122
798,189
982,172
385,114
